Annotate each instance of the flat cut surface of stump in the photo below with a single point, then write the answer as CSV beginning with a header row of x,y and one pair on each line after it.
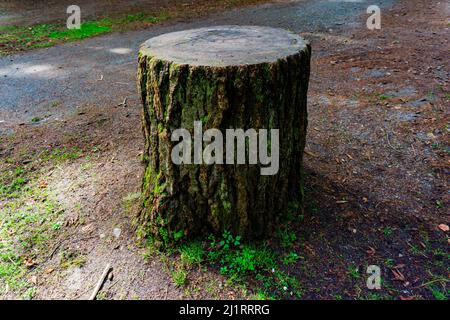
x,y
224,46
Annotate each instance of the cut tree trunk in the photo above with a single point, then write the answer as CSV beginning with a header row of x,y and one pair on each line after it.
x,y
226,77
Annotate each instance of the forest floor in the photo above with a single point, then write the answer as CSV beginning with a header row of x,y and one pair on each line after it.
x,y
377,164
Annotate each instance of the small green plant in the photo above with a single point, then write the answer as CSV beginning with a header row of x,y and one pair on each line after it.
x,y
178,235
374,296
388,232
164,234
150,249
287,285
192,253
353,272
55,104
290,258
238,260
204,119
389,263
439,253
287,237
179,277
294,212
439,204
438,294
56,226
415,250
101,296
261,295
29,294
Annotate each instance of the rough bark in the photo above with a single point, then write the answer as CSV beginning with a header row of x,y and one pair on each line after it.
x,y
192,200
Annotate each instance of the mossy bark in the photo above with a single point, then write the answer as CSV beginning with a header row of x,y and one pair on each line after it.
x,y
191,200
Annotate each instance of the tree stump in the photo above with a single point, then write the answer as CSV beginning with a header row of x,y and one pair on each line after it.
x,y
227,77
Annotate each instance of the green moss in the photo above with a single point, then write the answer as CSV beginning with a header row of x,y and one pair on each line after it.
x,y
226,204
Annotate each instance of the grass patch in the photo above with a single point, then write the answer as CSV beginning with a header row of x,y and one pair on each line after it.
x,y
87,30
28,218
243,264
61,154
20,38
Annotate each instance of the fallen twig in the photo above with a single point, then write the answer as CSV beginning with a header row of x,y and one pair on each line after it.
x,y
389,143
100,282
166,293
430,282
124,103
309,153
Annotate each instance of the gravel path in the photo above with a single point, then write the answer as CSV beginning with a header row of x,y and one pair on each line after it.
x,y
50,83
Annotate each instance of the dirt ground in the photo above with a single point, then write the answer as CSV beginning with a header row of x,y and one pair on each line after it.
x,y
377,163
